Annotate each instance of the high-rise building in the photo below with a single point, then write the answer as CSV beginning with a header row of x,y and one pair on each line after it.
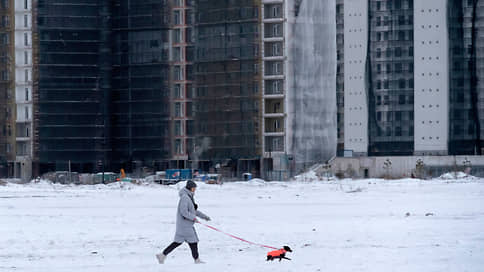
x,y
7,87
466,81
306,72
72,75
235,86
411,77
141,103
228,86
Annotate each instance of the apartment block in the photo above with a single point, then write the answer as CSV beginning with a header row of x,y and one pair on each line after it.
x,y
7,89
411,77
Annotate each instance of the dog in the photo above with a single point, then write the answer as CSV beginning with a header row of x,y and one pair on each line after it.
x,y
278,254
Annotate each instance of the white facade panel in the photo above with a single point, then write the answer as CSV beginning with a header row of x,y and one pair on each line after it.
x,y
431,106
355,48
23,80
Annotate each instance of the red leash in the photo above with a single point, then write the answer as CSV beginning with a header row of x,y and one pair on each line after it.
x,y
233,236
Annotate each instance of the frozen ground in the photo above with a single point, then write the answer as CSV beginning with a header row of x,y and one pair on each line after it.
x,y
380,226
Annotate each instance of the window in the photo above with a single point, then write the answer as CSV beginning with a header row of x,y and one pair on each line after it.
x,y
410,82
26,75
398,67
378,100
385,84
26,94
178,128
389,52
401,83
276,86
26,57
26,39
398,116
178,110
5,75
177,54
276,11
177,73
378,5
378,21
398,52
378,115
177,91
378,68
177,20
5,21
457,130
26,21
276,49
177,36
26,113
378,52
26,4
401,99
4,3
470,129
410,101
4,38
178,146
378,85
401,35
386,100
276,30
398,131
410,51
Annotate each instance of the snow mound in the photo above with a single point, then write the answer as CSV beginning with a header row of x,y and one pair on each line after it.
x,y
256,181
307,176
457,175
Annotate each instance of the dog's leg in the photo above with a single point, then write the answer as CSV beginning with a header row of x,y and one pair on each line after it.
x,y
286,258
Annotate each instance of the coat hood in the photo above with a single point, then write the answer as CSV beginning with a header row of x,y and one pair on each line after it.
x,y
185,191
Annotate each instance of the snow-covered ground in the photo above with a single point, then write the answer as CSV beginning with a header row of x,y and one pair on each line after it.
x,y
345,225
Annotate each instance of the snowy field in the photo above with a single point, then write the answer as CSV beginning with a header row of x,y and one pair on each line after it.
x,y
364,225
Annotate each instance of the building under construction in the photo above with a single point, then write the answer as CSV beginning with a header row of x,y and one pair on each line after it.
x,y
98,85
228,84
103,85
7,87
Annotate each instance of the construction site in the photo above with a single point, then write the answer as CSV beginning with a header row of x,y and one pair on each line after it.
x,y
267,88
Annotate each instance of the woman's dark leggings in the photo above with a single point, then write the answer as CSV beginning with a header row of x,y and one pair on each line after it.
x,y
193,247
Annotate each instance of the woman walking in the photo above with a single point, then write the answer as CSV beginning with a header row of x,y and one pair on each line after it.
x,y
186,217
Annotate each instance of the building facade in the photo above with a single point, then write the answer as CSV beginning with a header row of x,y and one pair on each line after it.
x,y
411,77
7,89
228,86
235,86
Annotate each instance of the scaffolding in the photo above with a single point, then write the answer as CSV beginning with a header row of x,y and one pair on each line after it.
x,y
141,84
228,82
102,85
7,87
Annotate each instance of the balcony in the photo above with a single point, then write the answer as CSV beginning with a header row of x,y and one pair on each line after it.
x,y
274,106
274,125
